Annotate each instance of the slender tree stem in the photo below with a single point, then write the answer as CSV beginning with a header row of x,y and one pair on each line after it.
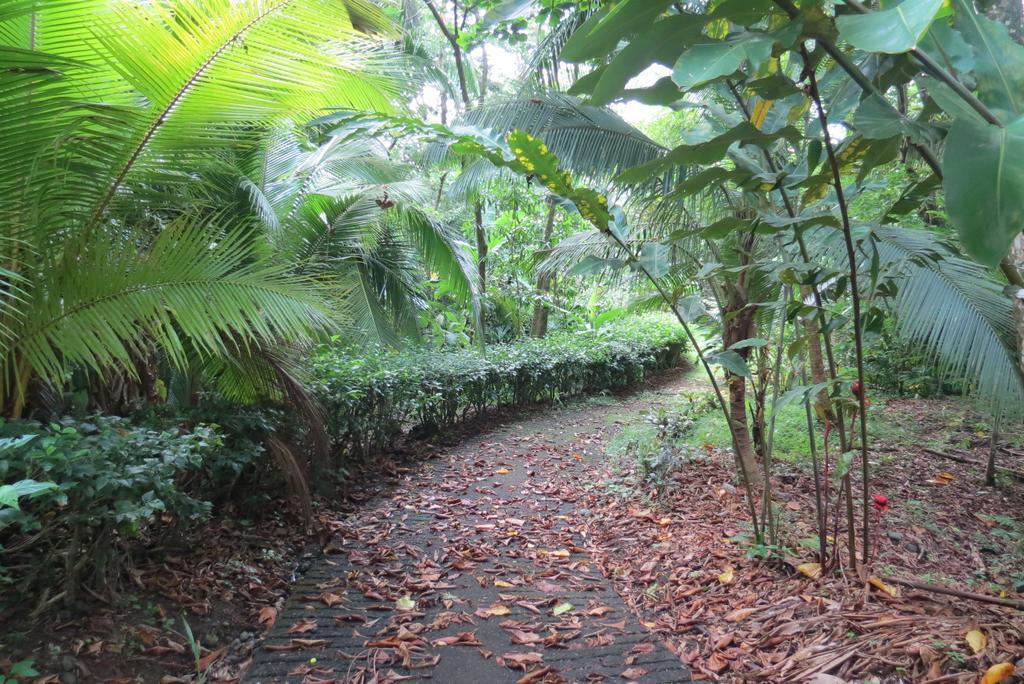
x,y
826,336
769,515
855,299
822,518
453,40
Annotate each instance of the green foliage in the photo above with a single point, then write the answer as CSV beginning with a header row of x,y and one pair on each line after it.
x,y
983,183
371,397
890,31
18,670
109,480
122,120
895,368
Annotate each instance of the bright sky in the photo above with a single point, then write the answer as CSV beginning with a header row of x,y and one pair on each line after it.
x,y
636,112
506,65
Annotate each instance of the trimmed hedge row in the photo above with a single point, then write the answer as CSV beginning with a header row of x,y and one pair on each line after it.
x,y
372,397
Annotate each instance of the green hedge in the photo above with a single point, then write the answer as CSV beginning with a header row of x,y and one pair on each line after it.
x,y
370,398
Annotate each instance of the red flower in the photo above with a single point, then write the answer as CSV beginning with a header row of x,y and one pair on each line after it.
x,y
881,502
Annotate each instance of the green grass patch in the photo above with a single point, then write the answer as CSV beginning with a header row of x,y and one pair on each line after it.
x,y
791,443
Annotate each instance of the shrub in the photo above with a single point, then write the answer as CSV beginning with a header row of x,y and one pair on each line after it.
x,y
896,367
98,483
370,398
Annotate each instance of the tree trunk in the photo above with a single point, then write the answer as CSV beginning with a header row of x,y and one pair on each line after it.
x,y
485,72
758,426
738,324
1011,14
1016,257
993,447
814,355
539,328
481,244
738,414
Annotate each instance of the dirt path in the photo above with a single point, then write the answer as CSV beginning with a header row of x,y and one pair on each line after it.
x,y
473,569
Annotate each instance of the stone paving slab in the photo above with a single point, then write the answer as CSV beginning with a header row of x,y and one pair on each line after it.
x,y
458,537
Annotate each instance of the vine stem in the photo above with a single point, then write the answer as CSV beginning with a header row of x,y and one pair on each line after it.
x,y
855,299
707,369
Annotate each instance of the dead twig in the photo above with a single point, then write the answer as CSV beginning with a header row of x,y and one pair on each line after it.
x,y
934,588
1015,474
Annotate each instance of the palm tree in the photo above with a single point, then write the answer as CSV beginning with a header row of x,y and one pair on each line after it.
x,y
116,118
343,210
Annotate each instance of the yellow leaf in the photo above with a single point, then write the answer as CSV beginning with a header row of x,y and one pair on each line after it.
x,y
560,553
405,603
502,471
498,609
976,640
760,112
665,521
812,570
503,584
943,478
998,673
882,586
561,608
727,576
719,28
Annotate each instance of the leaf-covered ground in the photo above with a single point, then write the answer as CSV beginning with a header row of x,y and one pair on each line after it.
x,y
533,549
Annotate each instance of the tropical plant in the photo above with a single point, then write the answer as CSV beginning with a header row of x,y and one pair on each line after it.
x,y
797,127
117,117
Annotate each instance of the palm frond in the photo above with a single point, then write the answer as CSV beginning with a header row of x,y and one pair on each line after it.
x,y
544,69
125,103
592,141
210,286
443,251
956,311
367,314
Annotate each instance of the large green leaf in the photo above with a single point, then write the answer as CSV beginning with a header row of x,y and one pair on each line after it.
x,y
730,361
708,61
999,66
10,493
663,43
602,32
892,31
655,259
743,12
949,101
947,46
707,152
877,119
506,9
983,169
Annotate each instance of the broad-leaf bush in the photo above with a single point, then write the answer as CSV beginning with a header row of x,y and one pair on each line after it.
x,y
372,397
110,481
